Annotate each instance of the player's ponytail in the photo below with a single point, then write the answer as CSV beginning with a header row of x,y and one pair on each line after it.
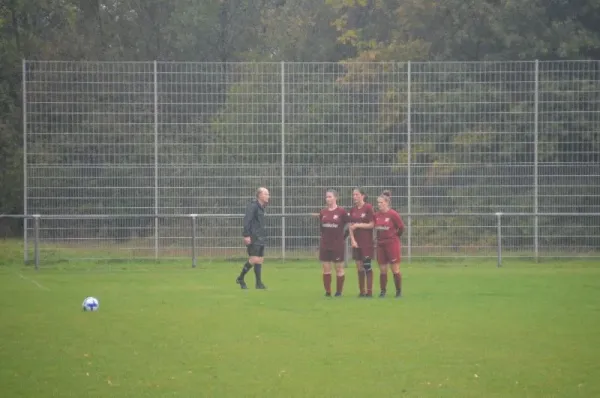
x,y
387,196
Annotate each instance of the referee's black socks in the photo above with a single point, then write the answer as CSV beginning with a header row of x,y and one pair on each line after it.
x,y
245,270
257,271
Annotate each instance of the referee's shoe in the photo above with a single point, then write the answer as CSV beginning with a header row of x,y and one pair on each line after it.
x,y
241,282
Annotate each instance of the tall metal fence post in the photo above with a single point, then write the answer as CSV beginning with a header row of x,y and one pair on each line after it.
x,y
194,258
536,231
282,160
36,243
25,223
408,163
499,238
156,160
347,252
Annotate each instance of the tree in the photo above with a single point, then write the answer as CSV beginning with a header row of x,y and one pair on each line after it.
x,y
468,30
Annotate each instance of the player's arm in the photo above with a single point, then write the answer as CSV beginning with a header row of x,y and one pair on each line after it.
x,y
399,225
353,241
363,225
320,217
347,226
350,230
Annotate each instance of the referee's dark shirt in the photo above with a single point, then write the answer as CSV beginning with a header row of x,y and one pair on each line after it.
x,y
254,223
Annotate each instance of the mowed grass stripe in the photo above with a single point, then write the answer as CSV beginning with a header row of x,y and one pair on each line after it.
x,y
461,330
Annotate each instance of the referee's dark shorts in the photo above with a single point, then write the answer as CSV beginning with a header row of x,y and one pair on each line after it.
x,y
255,250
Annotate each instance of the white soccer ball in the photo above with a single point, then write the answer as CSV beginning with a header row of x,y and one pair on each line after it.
x,y
90,304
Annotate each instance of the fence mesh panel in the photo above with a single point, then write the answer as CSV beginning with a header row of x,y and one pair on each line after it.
x,y
162,138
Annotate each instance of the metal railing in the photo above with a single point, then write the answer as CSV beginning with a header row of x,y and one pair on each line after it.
x,y
412,234
184,137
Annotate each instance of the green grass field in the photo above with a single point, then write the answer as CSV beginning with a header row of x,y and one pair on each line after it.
x,y
464,329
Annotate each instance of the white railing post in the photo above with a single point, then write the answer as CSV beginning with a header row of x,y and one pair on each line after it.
x,y
156,245
408,164
282,160
499,238
36,242
535,163
194,259
25,210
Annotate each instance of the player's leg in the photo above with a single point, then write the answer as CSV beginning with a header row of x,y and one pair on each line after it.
x,y
340,272
383,279
395,261
325,258
361,278
368,255
382,260
327,278
340,278
358,259
397,278
247,267
258,260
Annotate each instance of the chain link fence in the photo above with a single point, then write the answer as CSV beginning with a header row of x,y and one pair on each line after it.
x,y
143,143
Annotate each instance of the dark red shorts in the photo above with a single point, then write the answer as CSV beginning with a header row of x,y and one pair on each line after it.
x,y
359,253
332,254
389,253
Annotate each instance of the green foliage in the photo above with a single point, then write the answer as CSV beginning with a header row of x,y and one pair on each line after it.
x,y
468,29
460,146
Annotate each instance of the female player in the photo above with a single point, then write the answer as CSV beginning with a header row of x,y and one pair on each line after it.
x,y
361,236
389,227
332,246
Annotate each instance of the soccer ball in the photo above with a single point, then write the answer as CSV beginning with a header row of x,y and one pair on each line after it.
x,y
90,304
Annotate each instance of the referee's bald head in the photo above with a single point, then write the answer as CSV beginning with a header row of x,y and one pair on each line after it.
x,y
262,195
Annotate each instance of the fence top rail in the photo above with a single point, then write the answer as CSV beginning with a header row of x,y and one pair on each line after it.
x,y
213,215
55,61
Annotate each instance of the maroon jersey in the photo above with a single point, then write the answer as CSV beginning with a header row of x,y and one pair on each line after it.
x,y
364,215
388,225
332,226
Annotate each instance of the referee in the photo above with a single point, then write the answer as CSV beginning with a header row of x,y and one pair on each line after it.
x,y
255,235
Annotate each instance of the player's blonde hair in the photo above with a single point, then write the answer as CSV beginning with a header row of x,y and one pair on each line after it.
x,y
387,196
